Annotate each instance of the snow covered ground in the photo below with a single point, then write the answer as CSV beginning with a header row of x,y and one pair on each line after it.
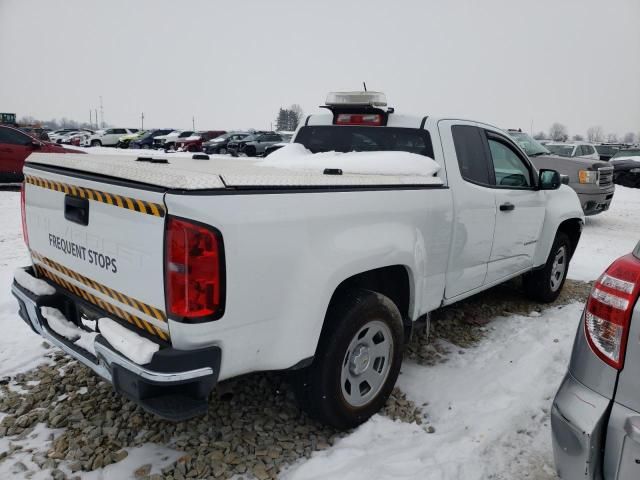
x,y
488,404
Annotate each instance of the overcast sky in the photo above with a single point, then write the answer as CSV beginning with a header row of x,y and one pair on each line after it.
x,y
233,64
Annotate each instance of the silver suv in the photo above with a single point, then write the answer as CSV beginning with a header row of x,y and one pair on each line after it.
x,y
595,418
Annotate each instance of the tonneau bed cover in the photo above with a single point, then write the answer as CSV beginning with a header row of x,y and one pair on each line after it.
x,y
219,172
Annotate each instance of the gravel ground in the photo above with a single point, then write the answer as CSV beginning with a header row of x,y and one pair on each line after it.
x,y
253,428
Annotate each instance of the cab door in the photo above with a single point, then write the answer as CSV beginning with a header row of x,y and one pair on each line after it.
x,y
520,208
474,206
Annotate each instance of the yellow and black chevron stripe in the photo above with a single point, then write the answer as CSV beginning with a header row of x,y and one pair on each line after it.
x,y
110,292
120,201
109,307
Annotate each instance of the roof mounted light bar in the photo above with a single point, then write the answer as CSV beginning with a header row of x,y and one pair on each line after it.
x,y
356,99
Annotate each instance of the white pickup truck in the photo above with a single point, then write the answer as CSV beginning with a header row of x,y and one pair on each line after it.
x,y
168,276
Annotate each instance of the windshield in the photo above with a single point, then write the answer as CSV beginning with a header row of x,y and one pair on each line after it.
x,y
606,149
632,152
365,139
562,150
529,144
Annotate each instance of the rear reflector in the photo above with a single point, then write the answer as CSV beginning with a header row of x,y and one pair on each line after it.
x,y
369,119
609,309
194,271
23,212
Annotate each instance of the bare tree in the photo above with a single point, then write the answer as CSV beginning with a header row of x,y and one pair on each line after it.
x,y
595,134
540,136
558,132
577,137
629,137
612,138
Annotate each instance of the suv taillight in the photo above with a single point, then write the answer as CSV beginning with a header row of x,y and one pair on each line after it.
x,y
609,309
194,271
23,212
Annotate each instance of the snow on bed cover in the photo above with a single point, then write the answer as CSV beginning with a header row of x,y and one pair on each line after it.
x,y
34,285
130,344
182,172
295,156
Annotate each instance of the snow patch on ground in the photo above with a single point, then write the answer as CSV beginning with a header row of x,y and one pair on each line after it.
x,y
608,235
294,156
488,404
20,348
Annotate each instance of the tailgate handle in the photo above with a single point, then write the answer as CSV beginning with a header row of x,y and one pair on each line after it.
x,y
76,210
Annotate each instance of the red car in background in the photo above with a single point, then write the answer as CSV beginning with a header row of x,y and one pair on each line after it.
x,y
195,141
15,147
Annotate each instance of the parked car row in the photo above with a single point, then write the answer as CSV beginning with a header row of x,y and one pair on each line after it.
x,y
249,143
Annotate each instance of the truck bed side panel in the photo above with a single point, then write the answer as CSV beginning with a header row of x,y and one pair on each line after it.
x,y
287,252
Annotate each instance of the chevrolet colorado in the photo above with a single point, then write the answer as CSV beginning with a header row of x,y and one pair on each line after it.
x,y
166,277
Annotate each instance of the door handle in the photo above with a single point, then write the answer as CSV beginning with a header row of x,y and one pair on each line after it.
x,y
507,207
76,210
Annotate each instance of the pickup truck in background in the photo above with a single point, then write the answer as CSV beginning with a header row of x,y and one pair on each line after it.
x,y
591,179
168,276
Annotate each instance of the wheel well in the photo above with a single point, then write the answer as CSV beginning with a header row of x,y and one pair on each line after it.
x,y
573,229
391,281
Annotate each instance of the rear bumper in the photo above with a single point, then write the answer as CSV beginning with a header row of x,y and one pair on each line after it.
x,y
578,424
174,385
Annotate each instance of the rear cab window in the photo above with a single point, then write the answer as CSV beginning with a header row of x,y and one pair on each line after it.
x,y
331,138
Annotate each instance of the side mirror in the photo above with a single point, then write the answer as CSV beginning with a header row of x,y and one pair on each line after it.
x,y
36,145
550,179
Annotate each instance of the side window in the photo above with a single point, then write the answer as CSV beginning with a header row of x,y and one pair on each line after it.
x,y
470,150
510,170
12,137
588,150
119,131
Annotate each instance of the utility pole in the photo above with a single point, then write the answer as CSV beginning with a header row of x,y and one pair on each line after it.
x,y
193,123
90,118
101,112
142,121
96,117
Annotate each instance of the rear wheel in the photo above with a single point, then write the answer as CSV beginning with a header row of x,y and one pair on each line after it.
x,y
96,143
357,361
544,285
222,151
250,151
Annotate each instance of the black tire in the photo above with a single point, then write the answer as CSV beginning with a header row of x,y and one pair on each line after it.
x,y
222,151
545,284
320,388
96,143
250,151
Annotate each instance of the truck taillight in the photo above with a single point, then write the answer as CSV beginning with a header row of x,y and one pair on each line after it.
x,y
194,271
609,310
368,119
23,212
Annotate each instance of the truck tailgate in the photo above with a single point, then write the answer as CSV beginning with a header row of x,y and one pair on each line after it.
x,y
102,242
